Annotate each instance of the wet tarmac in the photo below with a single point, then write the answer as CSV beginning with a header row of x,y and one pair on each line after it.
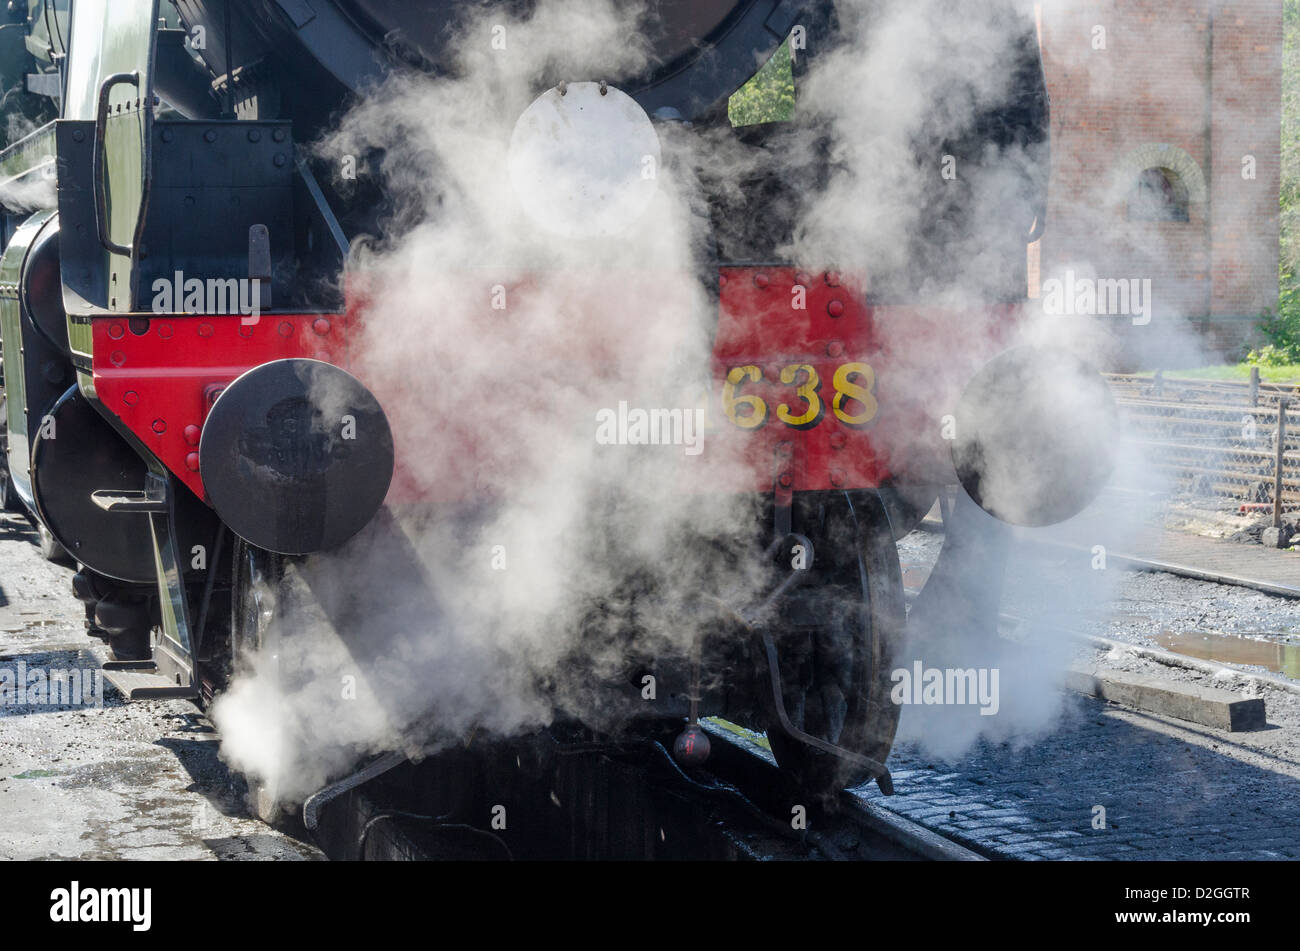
x,y
85,775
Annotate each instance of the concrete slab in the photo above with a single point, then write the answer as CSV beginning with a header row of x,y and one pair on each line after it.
x,y
1209,706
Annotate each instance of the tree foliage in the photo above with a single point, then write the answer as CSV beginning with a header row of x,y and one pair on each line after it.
x,y
1282,329
769,94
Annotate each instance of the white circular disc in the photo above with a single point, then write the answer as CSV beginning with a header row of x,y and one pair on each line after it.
x,y
584,164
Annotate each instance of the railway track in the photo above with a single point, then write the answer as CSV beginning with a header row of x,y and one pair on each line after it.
x,y
1135,563
606,802
1198,574
1213,666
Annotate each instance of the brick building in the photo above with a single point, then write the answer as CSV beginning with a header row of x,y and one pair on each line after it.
x,y
1166,120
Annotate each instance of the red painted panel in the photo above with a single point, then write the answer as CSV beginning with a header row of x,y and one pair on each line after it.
x,y
774,318
162,382
899,369
919,360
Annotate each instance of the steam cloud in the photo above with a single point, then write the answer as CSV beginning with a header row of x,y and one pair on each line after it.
x,y
512,612
609,550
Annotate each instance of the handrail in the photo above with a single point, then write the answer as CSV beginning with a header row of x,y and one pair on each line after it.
x,y
97,180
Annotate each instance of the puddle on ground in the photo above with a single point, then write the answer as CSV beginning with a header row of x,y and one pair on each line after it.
x,y
1226,649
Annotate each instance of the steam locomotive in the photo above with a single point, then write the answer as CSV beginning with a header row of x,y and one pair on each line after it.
x,y
174,447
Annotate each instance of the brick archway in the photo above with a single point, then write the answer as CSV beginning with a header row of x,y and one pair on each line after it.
x,y
1170,157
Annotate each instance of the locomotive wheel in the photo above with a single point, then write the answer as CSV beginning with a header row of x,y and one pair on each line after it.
x,y
8,501
835,673
907,506
256,579
131,645
124,617
256,574
8,497
52,551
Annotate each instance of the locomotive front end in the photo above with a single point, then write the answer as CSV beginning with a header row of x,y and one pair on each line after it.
x,y
284,318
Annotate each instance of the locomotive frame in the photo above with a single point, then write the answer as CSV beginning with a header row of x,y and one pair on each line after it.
x,y
131,496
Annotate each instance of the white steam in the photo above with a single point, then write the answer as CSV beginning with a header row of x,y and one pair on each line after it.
x,y
493,344
552,564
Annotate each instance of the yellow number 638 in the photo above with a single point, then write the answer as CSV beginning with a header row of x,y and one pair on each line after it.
x,y
853,383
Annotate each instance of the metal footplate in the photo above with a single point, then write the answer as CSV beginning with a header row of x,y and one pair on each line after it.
x,y
146,684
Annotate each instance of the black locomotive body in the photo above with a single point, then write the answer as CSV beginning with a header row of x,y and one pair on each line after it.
x,y
182,152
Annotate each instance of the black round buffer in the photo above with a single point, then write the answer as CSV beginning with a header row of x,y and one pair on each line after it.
x,y
1037,432
296,456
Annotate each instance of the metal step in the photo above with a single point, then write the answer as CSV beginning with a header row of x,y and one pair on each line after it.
x,y
146,684
115,500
